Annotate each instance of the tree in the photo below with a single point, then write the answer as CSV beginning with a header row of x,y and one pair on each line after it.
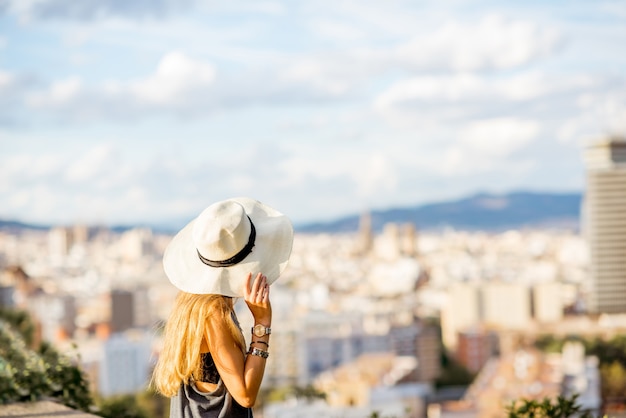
x,y
562,407
155,404
277,394
21,322
549,343
124,406
69,382
611,354
613,380
31,373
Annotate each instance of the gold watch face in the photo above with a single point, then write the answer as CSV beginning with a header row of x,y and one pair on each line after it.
x,y
260,330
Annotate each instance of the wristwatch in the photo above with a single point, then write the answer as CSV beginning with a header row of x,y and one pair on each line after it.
x,y
260,330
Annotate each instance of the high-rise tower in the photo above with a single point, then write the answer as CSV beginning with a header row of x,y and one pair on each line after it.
x,y
604,223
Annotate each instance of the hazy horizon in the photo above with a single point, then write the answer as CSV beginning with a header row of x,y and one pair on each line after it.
x,y
171,225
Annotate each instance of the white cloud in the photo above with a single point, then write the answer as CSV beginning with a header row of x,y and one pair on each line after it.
x,y
272,8
478,88
326,76
493,43
98,160
430,101
29,10
177,76
183,85
368,173
394,20
335,30
179,83
12,89
445,103
6,79
18,199
374,174
21,170
458,87
598,113
499,137
99,184
60,93
489,146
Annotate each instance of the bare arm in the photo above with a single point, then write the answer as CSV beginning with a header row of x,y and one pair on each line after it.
x,y
242,377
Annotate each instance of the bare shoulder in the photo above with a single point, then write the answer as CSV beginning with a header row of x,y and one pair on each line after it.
x,y
219,331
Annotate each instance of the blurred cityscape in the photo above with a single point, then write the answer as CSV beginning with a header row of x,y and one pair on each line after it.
x,y
403,323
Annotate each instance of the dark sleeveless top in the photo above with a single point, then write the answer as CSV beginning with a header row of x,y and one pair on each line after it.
x,y
191,402
209,371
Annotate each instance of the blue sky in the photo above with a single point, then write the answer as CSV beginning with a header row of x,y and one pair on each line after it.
x,y
114,111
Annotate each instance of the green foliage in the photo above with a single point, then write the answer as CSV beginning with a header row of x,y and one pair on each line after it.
x,y
606,350
562,407
69,383
549,343
27,374
376,414
611,354
308,392
139,405
21,322
613,380
279,394
155,404
23,371
124,406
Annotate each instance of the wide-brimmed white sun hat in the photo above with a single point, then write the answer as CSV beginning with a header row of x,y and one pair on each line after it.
x,y
214,252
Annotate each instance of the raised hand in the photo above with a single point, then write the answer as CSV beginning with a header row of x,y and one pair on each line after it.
x,y
257,297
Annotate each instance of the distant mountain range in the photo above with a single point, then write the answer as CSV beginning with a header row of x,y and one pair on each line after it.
x,y
16,226
489,212
484,211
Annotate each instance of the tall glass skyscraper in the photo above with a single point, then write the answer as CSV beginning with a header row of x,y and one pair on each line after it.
x,y
604,223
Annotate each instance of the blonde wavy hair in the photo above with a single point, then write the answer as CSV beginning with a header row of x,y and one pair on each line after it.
x,y
179,360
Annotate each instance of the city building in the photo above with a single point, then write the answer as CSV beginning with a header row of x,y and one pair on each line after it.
x,y
286,367
548,304
604,223
135,243
344,297
125,365
388,245
422,343
526,374
375,380
475,346
332,340
142,311
506,305
6,296
366,236
60,241
461,310
122,310
55,315
408,243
